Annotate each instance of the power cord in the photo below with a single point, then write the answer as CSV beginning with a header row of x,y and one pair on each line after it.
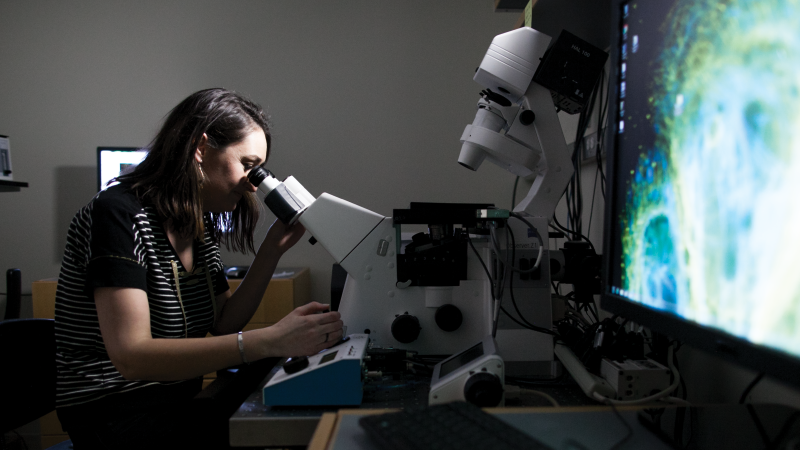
x,y
750,387
498,302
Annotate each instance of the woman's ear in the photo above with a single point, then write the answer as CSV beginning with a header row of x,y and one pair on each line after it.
x,y
200,150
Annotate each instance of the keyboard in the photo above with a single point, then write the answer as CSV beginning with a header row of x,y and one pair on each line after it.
x,y
457,425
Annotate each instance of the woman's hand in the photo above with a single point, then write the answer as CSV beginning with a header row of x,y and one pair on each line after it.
x,y
282,237
303,332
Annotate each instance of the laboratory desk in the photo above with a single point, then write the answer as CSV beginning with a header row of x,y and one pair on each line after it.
x,y
580,427
257,425
578,423
730,427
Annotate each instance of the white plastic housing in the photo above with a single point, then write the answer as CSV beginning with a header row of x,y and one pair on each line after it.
x,y
299,191
511,61
338,225
372,299
268,184
497,148
450,387
588,382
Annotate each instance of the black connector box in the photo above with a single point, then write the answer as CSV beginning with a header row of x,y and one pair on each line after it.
x,y
570,69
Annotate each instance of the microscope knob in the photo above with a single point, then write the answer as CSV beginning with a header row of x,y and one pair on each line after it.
x,y
448,317
483,389
405,328
296,364
527,117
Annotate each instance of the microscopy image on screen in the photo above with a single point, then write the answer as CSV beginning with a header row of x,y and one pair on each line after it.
x,y
114,163
709,161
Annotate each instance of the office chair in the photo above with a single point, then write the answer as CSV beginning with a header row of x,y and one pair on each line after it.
x,y
28,374
13,293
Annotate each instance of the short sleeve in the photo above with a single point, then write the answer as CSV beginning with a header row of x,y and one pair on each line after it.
x,y
115,245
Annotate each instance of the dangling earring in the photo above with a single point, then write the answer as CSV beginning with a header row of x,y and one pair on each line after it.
x,y
202,174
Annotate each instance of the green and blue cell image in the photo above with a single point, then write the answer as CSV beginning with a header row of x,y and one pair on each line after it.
x,y
711,222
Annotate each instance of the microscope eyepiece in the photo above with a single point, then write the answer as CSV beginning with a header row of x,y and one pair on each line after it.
x,y
257,175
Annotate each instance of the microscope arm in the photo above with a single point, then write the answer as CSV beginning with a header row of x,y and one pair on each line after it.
x,y
554,170
519,130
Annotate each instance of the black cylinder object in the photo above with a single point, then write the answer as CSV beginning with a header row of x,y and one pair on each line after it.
x,y
257,175
296,364
448,317
527,117
405,328
483,389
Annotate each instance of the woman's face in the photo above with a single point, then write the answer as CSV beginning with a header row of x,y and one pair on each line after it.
x,y
226,170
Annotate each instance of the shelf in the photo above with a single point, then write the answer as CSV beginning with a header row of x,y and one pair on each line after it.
x,y
510,5
590,20
12,186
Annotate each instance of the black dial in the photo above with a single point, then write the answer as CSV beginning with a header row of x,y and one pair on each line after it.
x,y
483,389
296,364
448,317
405,328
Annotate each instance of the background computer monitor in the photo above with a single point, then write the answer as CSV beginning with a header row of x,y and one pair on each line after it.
x,y
114,161
703,206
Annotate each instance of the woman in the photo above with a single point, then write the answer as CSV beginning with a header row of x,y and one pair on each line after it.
x,y
141,282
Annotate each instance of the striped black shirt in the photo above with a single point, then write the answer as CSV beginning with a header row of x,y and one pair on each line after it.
x,y
114,241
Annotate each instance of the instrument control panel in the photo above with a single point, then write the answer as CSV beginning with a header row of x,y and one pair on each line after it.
x,y
334,376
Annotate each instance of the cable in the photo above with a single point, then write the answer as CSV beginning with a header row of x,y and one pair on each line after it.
x,y
591,207
750,387
20,438
601,136
561,227
593,312
544,395
498,299
557,225
513,243
579,317
628,427
511,279
496,247
523,325
497,305
575,188
538,236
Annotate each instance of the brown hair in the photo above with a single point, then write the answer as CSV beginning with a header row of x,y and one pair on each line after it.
x,y
169,177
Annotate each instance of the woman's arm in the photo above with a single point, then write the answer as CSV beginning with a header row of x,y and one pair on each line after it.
x,y
237,309
124,317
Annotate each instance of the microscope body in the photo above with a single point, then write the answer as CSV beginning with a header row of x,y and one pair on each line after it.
x,y
517,128
399,313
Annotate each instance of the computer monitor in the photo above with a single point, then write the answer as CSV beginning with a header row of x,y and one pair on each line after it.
x,y
702,238
115,161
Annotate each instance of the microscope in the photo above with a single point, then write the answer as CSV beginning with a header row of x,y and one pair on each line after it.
x,y
440,291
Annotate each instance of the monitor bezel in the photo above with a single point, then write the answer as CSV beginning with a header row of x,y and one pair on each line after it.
x,y
113,149
781,365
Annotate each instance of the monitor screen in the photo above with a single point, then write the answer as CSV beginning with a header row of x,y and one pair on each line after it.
x,y
702,217
115,161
